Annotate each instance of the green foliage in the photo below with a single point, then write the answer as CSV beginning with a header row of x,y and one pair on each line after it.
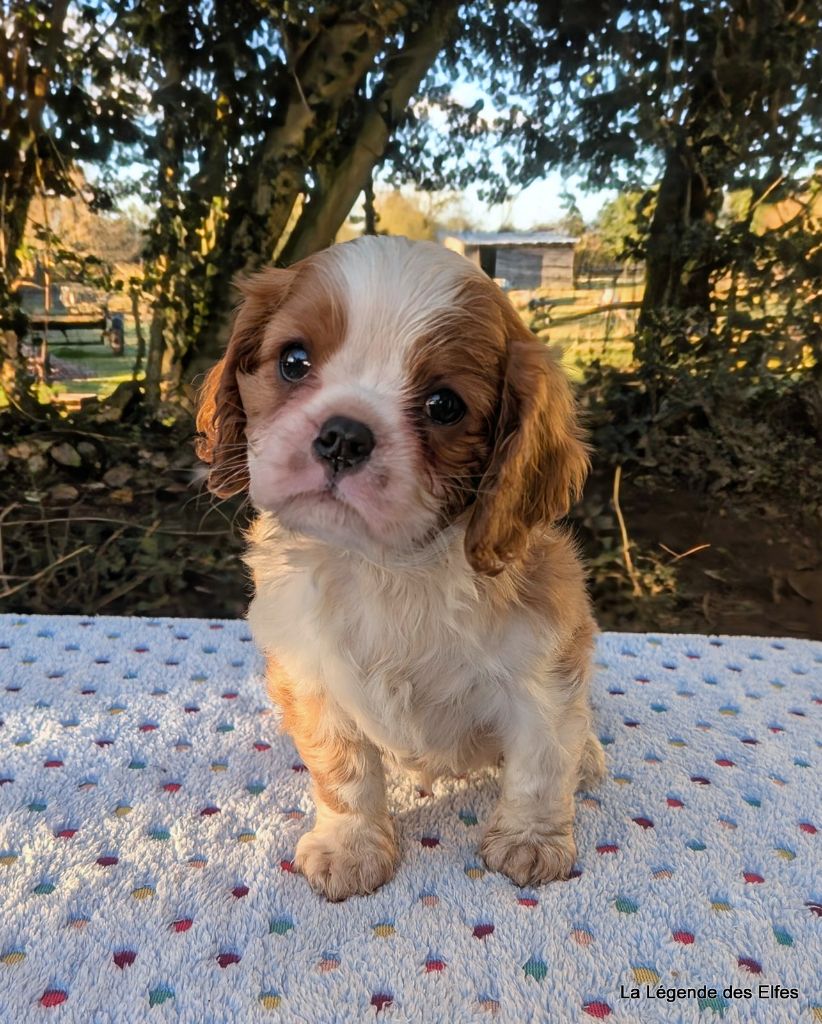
x,y
622,225
766,315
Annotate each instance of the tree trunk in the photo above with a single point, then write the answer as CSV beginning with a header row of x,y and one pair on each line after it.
x,y
25,79
370,211
678,264
164,274
327,72
329,206
135,294
25,84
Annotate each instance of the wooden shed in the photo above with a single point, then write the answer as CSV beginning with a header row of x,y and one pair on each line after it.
x,y
520,261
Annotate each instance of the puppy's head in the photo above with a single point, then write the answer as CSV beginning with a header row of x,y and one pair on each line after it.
x,y
377,392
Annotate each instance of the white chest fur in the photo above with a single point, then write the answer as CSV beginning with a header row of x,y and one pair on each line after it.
x,y
420,658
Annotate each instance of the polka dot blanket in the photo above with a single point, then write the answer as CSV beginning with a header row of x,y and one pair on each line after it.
x,y
149,810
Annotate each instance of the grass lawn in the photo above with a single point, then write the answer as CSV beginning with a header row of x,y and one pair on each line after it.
x,y
106,370
603,336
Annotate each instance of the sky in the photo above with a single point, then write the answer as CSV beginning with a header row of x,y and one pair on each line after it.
x,y
540,203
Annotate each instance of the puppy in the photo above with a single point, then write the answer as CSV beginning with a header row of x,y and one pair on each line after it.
x,y
409,446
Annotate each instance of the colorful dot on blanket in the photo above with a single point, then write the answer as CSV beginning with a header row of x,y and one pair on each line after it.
x,y
53,997
716,1003
535,968
160,995
645,975
597,1008
489,1004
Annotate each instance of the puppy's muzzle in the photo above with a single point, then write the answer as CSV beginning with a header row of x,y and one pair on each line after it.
x,y
343,444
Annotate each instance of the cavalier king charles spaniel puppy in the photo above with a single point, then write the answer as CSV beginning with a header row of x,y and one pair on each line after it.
x,y
410,446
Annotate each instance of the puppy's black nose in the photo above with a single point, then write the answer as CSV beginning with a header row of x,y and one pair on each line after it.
x,y
343,443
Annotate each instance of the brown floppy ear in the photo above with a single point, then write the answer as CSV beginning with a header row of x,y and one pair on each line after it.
x,y
539,461
220,415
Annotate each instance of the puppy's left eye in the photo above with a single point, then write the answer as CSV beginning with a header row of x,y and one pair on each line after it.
x,y
444,407
295,362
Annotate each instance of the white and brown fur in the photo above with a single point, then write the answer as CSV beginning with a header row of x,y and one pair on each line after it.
x,y
425,609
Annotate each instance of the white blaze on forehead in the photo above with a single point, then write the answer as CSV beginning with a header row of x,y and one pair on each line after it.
x,y
394,291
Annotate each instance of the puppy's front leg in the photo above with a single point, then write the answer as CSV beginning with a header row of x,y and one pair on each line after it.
x,y
530,837
352,848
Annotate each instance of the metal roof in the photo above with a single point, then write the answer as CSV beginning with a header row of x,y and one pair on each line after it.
x,y
502,238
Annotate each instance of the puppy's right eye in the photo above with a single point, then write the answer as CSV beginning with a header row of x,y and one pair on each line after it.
x,y
295,362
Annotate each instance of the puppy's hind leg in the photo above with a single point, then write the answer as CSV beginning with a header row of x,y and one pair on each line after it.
x,y
531,834
591,764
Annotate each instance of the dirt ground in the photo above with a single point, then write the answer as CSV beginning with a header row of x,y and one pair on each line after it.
x,y
755,566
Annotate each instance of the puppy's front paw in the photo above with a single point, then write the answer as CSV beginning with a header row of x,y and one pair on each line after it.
x,y
528,859
342,860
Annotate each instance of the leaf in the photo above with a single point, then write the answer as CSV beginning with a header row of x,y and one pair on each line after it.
x,y
118,475
21,450
66,454
807,584
64,494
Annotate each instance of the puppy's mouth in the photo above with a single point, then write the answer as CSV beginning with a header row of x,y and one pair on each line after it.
x,y
308,510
